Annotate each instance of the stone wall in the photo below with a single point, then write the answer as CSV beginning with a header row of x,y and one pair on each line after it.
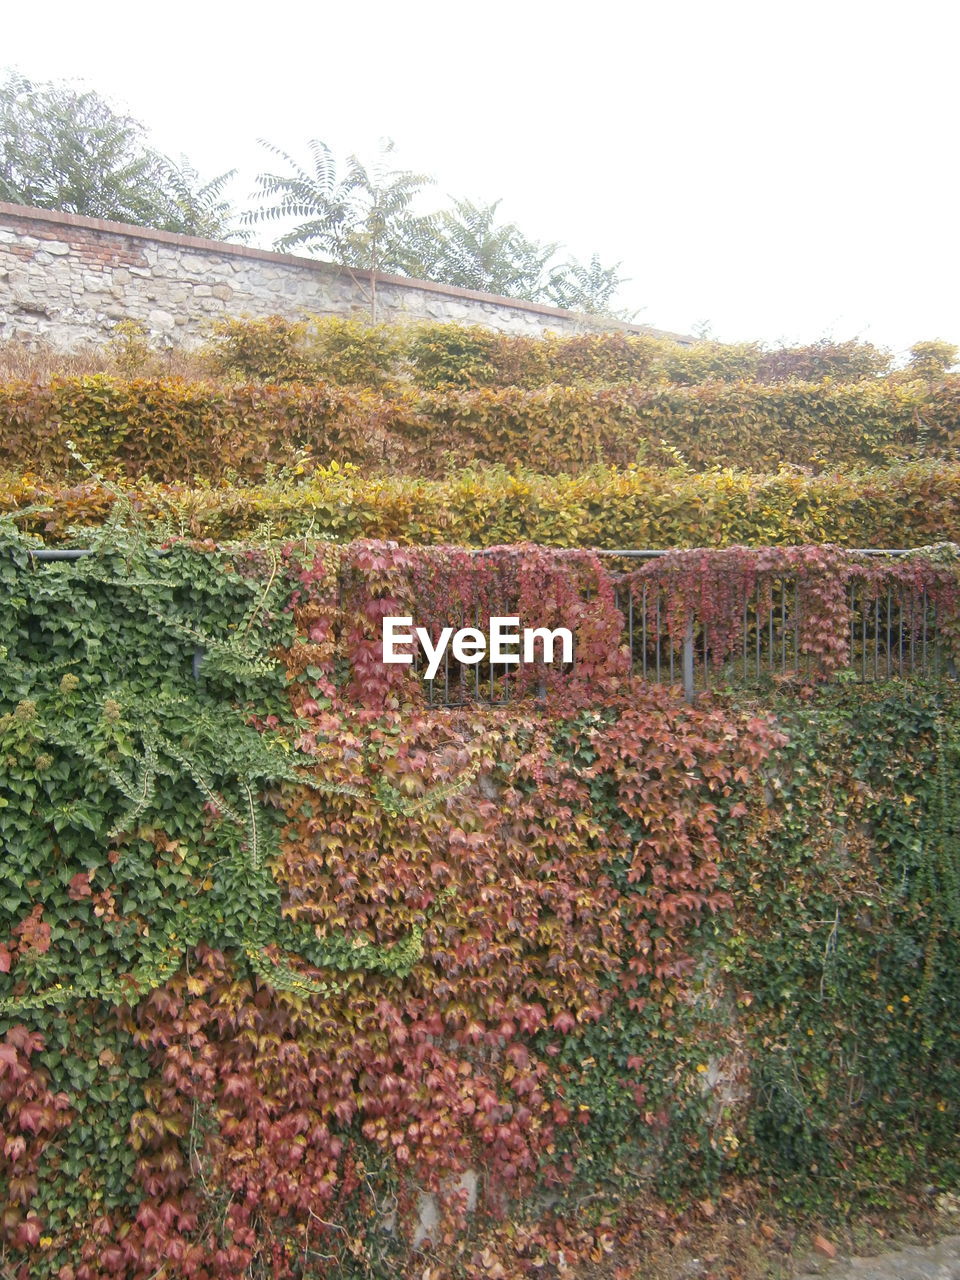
x,y
70,280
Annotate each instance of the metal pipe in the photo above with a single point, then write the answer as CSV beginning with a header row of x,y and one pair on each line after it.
x,y
58,555
629,553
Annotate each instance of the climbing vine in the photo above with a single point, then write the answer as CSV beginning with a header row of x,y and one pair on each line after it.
x,y
283,947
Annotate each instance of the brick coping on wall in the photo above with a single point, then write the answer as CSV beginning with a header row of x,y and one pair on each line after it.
x,y
57,218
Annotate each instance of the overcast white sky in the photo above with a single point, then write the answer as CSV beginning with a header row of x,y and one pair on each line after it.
x,y
779,171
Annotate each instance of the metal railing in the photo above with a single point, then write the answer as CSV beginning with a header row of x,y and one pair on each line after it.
x,y
893,633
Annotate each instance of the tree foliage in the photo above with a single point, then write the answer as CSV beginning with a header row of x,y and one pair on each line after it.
x,y
69,149
469,248
588,287
362,217
201,207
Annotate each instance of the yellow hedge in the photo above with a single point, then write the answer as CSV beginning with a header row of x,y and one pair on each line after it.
x,y
910,505
727,424
175,430
352,352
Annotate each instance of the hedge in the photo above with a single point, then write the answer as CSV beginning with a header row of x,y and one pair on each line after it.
x,y
443,355
912,505
280,948
174,430
759,428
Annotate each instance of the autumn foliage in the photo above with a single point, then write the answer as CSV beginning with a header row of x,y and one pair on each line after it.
x,y
907,506
442,940
174,430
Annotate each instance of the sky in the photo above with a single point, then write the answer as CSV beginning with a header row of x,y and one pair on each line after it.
x,y
773,172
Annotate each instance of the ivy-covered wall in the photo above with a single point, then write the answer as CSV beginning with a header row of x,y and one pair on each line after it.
x,y
281,947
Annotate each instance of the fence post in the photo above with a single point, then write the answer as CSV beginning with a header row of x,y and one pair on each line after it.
x,y
687,662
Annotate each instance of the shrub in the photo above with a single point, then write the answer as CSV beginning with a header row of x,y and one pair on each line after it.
x,y
180,430
705,362
352,353
850,361
270,349
567,359
346,353
173,429
638,507
446,355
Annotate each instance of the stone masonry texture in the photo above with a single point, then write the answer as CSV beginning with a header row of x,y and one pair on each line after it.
x,y
70,280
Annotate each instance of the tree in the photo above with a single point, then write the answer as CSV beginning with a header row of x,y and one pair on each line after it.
x,y
362,219
65,149
589,287
468,248
932,360
201,208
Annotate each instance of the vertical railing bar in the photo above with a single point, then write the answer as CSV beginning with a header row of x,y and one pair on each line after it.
x,y
689,689
863,635
643,623
670,651
890,629
706,657
630,629
783,627
923,646
476,665
492,689
659,635
746,623
466,673
876,637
